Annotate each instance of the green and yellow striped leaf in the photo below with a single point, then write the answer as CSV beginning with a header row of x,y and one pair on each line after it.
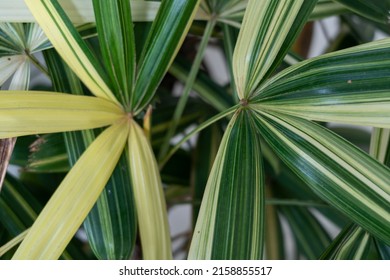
x,y
352,243
380,145
349,86
74,198
69,44
111,225
337,171
164,40
25,113
267,32
231,217
48,155
149,197
116,37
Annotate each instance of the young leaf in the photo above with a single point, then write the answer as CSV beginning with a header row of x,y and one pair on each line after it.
x,y
349,86
69,44
149,197
337,171
165,38
24,113
231,218
74,198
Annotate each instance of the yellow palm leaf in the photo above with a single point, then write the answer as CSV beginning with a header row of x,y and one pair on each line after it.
x,y
74,198
23,113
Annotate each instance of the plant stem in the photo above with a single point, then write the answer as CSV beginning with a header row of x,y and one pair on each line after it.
x,y
37,64
187,89
12,243
196,130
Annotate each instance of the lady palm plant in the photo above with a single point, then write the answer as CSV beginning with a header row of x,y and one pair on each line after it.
x,y
276,163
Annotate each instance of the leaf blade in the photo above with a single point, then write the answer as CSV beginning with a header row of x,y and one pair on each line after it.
x,y
253,56
349,86
148,196
337,171
59,220
70,45
116,36
231,218
165,38
24,113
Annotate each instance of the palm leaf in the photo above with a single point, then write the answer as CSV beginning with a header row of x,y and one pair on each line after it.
x,y
376,10
352,243
231,218
164,40
274,23
24,113
74,198
340,173
69,44
349,86
116,36
148,196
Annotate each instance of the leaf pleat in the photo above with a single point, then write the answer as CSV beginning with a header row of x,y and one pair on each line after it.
x,y
231,218
74,198
23,113
337,171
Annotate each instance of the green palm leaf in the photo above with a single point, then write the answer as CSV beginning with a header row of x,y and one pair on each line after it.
x,y
349,86
115,28
165,38
352,243
74,198
337,171
275,25
231,218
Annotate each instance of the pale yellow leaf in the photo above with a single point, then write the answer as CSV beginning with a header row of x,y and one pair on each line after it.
x,y
149,197
74,198
23,113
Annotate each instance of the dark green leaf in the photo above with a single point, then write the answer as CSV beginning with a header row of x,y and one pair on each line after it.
x,y
376,10
116,36
111,225
165,37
